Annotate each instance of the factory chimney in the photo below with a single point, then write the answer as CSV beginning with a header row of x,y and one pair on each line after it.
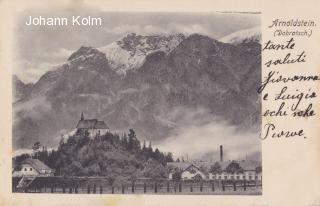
x,y
221,153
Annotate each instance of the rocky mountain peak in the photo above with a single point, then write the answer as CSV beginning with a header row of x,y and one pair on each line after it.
x,y
84,52
130,52
133,42
16,80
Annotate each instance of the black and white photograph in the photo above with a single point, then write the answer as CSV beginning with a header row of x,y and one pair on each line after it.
x,y
147,103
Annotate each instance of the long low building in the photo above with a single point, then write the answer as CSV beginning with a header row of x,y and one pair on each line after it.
x,y
227,170
247,170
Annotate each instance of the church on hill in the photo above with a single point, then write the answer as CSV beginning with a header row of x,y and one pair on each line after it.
x,y
93,126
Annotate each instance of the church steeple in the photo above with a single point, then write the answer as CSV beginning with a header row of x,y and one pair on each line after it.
x,y
82,116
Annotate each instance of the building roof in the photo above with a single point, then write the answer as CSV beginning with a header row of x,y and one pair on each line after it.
x,y
191,166
249,165
179,165
36,164
245,165
91,124
101,125
86,124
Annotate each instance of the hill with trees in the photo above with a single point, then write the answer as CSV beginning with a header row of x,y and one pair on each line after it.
x,y
116,157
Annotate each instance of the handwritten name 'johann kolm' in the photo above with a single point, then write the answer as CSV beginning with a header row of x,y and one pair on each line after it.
x,y
64,21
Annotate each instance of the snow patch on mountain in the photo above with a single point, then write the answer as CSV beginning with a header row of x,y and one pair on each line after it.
x,y
243,36
130,52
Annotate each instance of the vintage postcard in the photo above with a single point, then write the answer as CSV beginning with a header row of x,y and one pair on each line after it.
x,y
153,103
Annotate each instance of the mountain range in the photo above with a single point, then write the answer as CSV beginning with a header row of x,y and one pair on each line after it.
x,y
149,83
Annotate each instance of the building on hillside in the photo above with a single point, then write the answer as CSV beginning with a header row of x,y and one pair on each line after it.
x,y
94,127
33,168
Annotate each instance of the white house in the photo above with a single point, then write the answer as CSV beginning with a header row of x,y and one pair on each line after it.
x,y
33,167
174,167
192,172
188,171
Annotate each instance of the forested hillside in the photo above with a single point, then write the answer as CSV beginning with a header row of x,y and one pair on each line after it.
x,y
112,156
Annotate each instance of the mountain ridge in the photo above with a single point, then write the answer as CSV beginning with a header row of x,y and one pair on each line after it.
x,y
243,36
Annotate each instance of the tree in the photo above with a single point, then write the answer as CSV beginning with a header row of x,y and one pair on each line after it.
x,y
124,141
234,167
35,148
43,155
83,141
149,151
258,169
168,157
150,146
144,145
176,176
216,168
133,143
157,154
158,172
52,156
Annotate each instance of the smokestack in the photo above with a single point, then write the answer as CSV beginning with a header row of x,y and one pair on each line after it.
x,y
221,153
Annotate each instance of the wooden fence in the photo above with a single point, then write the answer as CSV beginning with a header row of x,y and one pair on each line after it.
x,y
148,187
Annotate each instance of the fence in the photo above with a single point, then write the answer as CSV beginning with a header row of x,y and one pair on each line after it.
x,y
147,187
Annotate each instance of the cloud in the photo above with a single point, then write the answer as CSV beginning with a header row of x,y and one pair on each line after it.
x,y
200,135
139,29
172,28
61,53
189,29
29,71
32,70
123,29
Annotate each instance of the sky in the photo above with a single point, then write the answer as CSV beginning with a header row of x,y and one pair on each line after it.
x,y
40,49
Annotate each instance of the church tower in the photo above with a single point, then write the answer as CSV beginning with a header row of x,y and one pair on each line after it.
x,y
82,116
